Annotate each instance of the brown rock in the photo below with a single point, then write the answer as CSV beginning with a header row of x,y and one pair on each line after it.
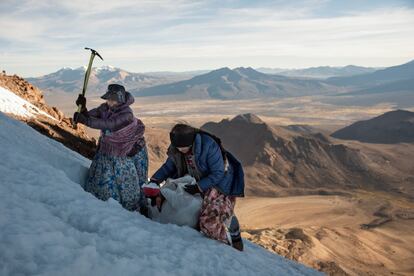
x,y
60,128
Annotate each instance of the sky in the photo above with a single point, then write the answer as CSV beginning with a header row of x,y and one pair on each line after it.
x,y
38,37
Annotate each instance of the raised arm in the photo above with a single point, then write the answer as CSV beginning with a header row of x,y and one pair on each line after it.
x,y
112,124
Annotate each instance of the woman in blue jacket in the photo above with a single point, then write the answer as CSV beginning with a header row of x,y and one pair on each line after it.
x,y
219,176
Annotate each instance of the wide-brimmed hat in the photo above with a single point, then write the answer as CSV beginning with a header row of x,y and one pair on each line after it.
x,y
115,92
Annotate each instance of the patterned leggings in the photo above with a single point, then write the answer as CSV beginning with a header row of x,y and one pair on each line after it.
x,y
216,211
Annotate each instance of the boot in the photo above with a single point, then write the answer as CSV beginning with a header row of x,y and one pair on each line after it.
x,y
235,239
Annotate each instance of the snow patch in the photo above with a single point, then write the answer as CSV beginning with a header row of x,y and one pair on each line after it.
x,y
106,68
50,226
12,104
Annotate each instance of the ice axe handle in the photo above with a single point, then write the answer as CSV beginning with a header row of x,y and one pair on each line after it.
x,y
85,82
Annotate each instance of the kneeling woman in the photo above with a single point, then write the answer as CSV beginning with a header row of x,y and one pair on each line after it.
x,y
120,166
219,176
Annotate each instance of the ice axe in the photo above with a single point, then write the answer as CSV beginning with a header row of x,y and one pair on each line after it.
x,y
85,81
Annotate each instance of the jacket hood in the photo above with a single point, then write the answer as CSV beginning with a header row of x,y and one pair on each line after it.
x,y
129,99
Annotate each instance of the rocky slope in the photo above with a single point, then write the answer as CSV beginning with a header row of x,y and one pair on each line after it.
x,y
363,234
389,128
53,123
279,161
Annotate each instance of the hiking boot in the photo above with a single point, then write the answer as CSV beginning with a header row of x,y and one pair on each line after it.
x,y
233,234
238,244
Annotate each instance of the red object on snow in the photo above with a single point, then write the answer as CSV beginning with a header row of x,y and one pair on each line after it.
x,y
151,189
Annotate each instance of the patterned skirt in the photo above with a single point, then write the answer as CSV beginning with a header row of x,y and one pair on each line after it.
x,y
216,213
119,178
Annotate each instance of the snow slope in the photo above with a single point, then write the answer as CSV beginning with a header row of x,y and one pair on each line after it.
x,y
50,226
13,104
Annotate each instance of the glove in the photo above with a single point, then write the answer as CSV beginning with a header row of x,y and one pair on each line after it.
x,y
81,100
80,118
192,189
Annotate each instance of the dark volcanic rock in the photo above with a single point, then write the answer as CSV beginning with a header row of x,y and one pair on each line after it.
x,y
391,127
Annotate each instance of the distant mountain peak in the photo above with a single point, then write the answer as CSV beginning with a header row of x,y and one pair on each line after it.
x,y
398,114
96,69
247,71
248,118
107,68
222,70
81,68
66,68
389,128
378,77
219,73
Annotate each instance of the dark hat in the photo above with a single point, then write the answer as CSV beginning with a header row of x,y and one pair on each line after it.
x,y
115,92
180,140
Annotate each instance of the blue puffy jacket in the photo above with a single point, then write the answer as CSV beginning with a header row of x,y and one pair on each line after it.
x,y
209,161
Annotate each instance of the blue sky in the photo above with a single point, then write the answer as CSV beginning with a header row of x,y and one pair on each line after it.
x,y
38,36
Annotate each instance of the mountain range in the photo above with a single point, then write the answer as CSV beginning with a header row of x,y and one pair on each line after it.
x,y
379,77
239,83
247,83
70,80
320,72
392,85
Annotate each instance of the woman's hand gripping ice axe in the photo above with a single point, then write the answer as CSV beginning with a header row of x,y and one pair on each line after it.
x,y
81,101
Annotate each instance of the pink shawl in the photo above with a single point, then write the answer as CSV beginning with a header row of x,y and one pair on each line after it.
x,y
121,142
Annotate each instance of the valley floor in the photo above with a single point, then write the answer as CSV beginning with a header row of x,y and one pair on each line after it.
x,y
366,234
163,113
